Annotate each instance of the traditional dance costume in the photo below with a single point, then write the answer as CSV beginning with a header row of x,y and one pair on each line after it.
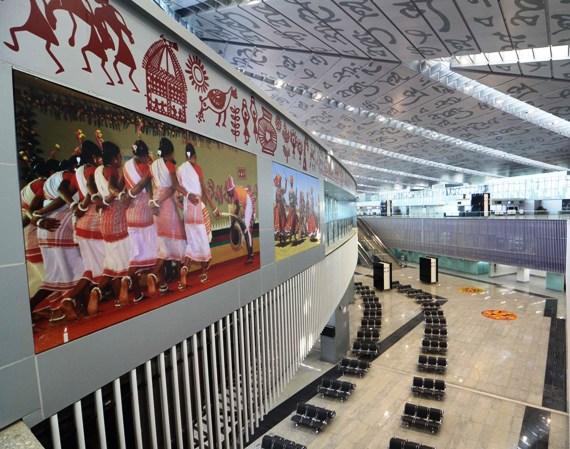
x,y
113,228
246,204
197,241
171,236
34,261
140,221
88,229
62,260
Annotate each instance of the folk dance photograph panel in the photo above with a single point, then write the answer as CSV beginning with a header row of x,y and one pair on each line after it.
x,y
121,217
296,211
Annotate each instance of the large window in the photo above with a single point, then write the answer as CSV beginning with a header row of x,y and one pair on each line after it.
x,y
340,214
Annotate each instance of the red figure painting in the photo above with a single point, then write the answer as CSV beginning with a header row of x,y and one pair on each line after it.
x,y
217,101
165,84
116,22
99,42
80,9
38,25
245,116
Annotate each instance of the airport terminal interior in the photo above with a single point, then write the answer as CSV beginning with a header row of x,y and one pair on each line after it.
x,y
284,224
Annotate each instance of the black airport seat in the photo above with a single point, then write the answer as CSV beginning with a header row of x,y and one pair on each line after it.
x,y
436,333
394,284
373,305
278,442
436,321
430,388
433,313
370,299
372,313
402,288
368,334
413,292
371,322
334,388
365,348
421,417
432,364
398,443
434,346
431,305
311,416
354,367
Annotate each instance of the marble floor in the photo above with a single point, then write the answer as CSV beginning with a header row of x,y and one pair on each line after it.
x,y
495,378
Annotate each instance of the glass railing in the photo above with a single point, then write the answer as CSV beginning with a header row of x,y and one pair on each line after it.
x,y
519,214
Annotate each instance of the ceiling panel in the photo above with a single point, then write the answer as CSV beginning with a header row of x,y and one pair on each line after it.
x,y
366,54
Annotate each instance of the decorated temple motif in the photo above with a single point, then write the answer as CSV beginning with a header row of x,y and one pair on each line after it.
x,y
165,84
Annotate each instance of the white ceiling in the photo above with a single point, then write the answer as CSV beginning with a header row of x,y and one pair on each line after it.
x,y
364,54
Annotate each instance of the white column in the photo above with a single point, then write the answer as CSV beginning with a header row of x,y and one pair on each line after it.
x,y
523,274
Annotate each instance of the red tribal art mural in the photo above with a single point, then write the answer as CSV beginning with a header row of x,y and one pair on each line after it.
x,y
266,133
165,83
217,101
197,74
108,30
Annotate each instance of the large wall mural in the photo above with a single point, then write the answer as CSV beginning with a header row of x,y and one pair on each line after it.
x,y
123,213
100,46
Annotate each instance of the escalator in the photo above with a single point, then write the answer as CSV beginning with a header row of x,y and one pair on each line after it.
x,y
370,246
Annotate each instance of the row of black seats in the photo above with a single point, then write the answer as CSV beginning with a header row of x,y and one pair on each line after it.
x,y
334,388
431,388
365,348
354,367
423,297
370,299
435,321
438,313
435,333
371,322
277,442
413,292
398,443
368,334
434,346
311,416
403,288
432,364
372,313
425,418
432,305
372,305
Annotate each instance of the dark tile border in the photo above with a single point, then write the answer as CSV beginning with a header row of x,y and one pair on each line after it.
x,y
283,410
554,393
535,429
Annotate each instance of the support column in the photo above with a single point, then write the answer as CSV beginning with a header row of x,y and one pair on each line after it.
x,y
335,337
523,274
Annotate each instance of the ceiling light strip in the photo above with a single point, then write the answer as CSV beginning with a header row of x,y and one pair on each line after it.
x,y
386,170
525,55
402,157
440,70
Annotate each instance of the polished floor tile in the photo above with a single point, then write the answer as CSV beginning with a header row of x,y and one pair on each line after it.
x,y
495,379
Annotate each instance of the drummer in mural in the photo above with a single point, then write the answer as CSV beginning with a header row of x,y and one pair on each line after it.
x,y
196,218
242,214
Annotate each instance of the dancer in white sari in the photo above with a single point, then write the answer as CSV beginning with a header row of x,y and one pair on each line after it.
x,y
140,222
62,259
171,236
191,178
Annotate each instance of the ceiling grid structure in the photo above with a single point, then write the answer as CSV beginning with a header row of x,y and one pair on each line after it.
x,y
362,72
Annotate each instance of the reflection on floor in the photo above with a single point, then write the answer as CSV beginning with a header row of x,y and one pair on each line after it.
x,y
495,379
